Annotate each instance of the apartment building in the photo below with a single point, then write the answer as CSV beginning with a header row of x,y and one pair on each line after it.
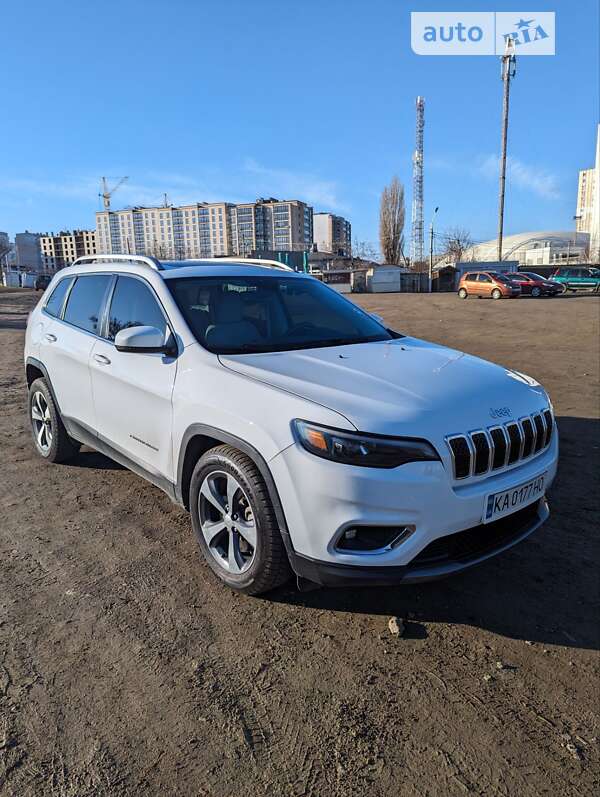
x,y
205,229
60,250
585,200
27,253
332,234
587,216
271,225
197,230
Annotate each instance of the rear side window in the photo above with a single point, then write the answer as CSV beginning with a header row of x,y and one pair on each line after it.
x,y
133,305
57,297
85,302
471,277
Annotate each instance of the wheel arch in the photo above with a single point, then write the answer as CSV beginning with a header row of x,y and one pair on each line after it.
x,y
34,369
198,439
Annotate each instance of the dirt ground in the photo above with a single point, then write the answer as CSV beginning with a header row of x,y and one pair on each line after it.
x,y
126,669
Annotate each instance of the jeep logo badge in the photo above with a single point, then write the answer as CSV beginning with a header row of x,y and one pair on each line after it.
x,y
500,412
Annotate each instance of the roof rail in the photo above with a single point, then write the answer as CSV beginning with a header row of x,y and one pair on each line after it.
x,y
145,259
254,261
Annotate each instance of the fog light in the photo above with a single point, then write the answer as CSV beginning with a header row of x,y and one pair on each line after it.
x,y
373,539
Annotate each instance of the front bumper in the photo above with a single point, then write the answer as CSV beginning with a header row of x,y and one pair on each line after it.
x,y
320,499
444,557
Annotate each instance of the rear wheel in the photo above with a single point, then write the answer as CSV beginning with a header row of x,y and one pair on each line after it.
x,y
235,523
462,294
49,434
496,293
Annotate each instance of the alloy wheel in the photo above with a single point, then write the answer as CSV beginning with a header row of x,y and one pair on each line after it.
x,y
227,521
42,421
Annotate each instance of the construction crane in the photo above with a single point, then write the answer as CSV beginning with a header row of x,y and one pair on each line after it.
x,y
106,194
416,240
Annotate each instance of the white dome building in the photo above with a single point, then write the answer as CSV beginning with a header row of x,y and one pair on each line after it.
x,y
534,249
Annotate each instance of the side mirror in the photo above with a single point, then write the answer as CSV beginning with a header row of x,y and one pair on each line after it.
x,y
143,340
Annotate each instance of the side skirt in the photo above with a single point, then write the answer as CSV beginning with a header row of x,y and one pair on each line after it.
x,y
89,438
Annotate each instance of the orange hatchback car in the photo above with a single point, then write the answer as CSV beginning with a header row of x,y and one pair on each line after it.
x,y
491,284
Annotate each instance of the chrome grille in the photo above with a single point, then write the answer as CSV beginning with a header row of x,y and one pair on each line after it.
x,y
515,438
485,450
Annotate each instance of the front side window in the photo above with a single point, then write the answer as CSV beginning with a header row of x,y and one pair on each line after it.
x,y
237,315
484,278
57,298
85,302
133,305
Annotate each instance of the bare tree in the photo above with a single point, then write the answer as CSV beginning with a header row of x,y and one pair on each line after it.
x,y
391,222
456,241
364,250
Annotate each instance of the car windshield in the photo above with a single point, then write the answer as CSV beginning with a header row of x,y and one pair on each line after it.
x,y
533,276
239,315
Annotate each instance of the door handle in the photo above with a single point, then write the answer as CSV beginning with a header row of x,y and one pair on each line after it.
x,y
101,359
50,337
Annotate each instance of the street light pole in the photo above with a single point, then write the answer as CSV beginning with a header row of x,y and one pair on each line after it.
x,y
430,281
509,68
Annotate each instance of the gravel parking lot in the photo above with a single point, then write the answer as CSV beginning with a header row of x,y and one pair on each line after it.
x,y
126,669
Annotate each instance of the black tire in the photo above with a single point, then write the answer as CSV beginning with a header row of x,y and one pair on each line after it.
x,y
496,294
60,447
269,566
462,294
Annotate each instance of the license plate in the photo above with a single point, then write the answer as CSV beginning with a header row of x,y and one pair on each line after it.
x,y
498,505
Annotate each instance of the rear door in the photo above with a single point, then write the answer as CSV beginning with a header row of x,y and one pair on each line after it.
x,y
470,283
587,279
66,344
132,391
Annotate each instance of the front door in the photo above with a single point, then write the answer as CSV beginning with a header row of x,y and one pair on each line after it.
x,y
484,285
132,391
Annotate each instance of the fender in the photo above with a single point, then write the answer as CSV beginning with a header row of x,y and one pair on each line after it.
x,y
41,367
251,452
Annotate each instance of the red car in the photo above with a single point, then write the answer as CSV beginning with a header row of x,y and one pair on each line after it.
x,y
533,284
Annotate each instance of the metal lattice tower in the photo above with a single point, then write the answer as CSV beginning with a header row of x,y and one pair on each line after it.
x,y
416,241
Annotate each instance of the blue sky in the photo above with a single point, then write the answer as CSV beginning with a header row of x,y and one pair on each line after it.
x,y
311,100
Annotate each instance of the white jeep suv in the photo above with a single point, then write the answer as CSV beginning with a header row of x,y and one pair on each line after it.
x,y
300,432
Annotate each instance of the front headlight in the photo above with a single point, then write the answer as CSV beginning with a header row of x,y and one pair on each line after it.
x,y
356,448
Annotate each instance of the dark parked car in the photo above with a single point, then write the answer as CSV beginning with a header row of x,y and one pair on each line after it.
x,y
534,285
42,281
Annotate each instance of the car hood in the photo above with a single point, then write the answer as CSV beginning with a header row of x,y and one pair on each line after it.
x,y
398,387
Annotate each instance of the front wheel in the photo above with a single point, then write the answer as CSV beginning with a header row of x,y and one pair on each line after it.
x,y
496,294
536,292
235,523
462,294
49,434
